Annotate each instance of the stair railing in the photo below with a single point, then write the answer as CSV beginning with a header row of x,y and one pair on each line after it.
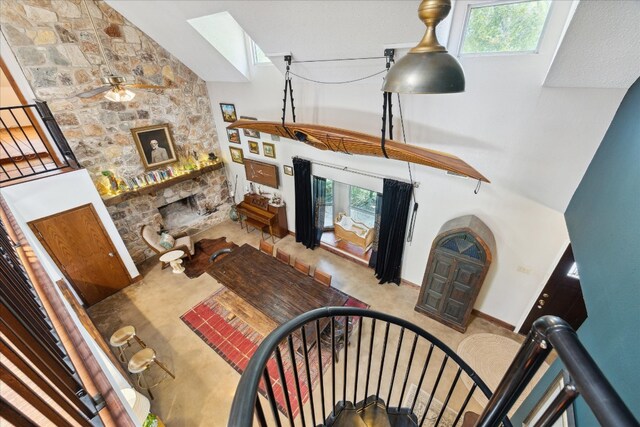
x,y
371,358
31,142
586,378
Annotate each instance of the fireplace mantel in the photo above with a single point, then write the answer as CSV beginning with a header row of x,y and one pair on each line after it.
x,y
152,188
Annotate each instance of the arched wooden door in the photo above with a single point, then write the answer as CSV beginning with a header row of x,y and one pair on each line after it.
x,y
458,263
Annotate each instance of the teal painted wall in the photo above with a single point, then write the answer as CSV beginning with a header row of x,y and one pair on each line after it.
x,y
603,219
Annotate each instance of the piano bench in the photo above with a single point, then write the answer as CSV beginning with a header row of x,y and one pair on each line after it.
x,y
258,226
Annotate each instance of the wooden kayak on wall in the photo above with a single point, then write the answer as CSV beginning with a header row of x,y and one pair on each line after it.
x,y
350,142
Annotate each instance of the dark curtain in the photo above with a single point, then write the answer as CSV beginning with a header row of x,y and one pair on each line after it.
x,y
396,198
305,230
376,235
319,195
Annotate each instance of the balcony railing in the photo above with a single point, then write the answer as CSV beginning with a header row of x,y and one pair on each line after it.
x,y
381,371
368,385
31,143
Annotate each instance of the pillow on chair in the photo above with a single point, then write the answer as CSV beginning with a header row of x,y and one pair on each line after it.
x,y
167,241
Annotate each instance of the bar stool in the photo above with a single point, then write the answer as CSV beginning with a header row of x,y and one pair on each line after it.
x,y
121,338
140,362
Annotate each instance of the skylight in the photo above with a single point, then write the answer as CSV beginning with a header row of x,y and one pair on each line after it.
x,y
258,55
226,35
505,27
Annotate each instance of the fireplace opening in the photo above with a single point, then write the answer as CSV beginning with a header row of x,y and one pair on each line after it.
x,y
180,213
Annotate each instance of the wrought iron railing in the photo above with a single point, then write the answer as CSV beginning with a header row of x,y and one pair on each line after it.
x,y
586,378
332,397
372,358
31,142
32,354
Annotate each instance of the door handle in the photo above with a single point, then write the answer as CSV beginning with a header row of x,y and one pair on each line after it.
x,y
111,254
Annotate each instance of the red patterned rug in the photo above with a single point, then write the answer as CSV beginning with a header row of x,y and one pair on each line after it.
x,y
236,342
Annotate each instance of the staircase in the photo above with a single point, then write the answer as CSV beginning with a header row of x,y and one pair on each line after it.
x,y
372,412
352,367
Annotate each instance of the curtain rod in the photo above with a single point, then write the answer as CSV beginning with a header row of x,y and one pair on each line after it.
x,y
358,172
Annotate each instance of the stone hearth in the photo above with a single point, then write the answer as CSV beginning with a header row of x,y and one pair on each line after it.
x,y
208,194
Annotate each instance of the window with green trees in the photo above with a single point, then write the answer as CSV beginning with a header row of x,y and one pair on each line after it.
x,y
505,27
362,205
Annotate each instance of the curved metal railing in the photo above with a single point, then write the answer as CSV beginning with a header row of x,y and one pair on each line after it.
x,y
365,351
586,379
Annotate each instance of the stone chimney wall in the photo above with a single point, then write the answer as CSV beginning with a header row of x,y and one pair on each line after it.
x,y
56,47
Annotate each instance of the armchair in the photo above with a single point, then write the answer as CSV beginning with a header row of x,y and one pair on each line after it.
x,y
183,243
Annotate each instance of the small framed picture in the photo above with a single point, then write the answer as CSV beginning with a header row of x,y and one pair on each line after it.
x,y
269,150
236,155
251,133
288,170
228,112
254,147
155,145
233,135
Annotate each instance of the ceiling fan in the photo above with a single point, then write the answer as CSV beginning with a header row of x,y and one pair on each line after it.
x,y
114,86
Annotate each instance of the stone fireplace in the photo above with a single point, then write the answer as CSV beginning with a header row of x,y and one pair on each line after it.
x,y
189,206
180,213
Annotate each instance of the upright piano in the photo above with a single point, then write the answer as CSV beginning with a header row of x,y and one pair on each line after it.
x,y
256,211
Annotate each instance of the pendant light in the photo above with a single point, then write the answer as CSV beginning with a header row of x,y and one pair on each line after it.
x,y
428,67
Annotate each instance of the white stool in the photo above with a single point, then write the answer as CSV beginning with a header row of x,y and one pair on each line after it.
x,y
174,259
140,362
122,337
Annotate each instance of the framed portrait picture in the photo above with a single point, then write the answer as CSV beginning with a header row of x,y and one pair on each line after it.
x,y
288,170
228,112
155,145
253,147
233,135
236,155
251,133
269,150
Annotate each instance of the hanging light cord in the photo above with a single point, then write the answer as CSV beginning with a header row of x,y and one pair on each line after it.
x,y
339,82
95,31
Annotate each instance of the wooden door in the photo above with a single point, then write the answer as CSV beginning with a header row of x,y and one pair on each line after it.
x,y
461,290
561,296
437,281
82,249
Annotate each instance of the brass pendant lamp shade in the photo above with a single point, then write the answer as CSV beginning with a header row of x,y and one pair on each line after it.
x,y
428,67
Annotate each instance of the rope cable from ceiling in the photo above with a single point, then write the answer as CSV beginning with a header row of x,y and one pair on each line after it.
x,y
95,31
337,82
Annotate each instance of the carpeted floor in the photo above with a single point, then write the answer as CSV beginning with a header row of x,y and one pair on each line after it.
x,y
236,342
490,355
199,262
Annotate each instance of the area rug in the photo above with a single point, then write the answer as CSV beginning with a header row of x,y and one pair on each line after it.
x,y
236,342
199,262
448,417
490,355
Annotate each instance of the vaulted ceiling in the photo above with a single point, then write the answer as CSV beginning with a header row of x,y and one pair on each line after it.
x,y
531,123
